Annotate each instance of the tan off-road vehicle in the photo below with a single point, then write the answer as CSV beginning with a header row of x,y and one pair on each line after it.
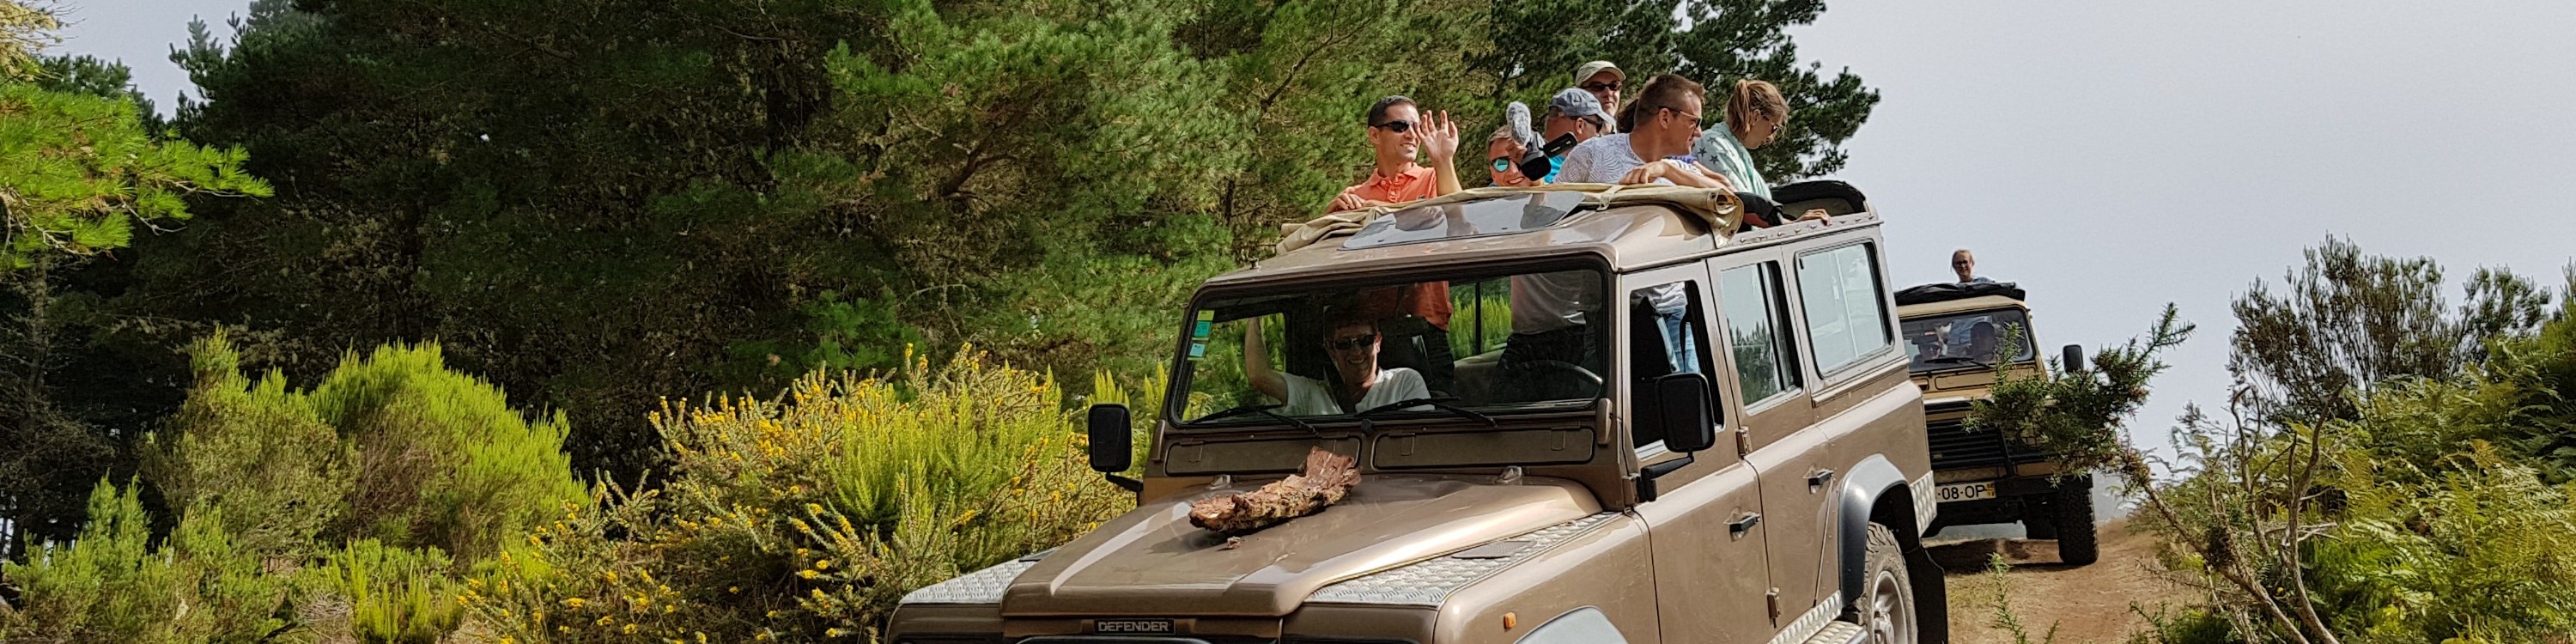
x,y
1955,335
1591,418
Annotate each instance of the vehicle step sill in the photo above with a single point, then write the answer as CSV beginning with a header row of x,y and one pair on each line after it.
x,y
1839,632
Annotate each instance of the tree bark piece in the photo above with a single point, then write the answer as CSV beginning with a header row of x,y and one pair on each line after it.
x,y
1326,478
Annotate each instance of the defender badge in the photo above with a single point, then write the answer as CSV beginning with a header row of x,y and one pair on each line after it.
x,y
1132,626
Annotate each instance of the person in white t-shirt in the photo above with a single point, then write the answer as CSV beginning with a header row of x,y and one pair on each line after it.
x,y
1352,343
1665,124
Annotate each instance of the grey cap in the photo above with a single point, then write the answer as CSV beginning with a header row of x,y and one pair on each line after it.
x,y
1594,68
1575,103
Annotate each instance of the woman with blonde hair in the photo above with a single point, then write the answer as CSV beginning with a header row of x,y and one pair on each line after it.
x,y
1755,111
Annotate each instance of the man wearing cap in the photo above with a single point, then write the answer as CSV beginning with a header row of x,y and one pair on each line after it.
x,y
1572,112
1601,79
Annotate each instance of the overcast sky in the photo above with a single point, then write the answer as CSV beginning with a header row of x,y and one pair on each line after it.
x,y
2113,157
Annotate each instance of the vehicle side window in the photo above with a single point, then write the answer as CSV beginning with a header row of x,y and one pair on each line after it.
x,y
1750,297
1846,315
1666,335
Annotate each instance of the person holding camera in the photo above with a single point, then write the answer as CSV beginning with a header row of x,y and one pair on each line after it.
x,y
1514,151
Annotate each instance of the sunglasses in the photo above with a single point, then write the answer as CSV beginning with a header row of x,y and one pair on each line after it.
x,y
1354,342
1502,164
1599,87
1397,127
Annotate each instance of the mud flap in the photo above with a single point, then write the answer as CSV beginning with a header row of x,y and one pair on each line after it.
x,y
1931,594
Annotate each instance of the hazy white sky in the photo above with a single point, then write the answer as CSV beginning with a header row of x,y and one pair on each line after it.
x,y
2113,157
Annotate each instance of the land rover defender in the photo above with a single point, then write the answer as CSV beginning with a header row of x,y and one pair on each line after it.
x,y
1613,417
1956,334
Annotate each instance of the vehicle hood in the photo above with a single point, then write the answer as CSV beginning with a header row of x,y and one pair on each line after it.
x,y
1151,561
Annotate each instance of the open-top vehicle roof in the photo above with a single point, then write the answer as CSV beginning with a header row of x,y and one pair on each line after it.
x,y
1632,227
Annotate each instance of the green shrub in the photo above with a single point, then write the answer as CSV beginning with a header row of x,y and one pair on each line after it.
x,y
2486,553
442,459
256,449
395,595
110,585
809,515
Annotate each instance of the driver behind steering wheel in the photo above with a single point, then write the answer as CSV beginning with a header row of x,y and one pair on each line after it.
x,y
1352,342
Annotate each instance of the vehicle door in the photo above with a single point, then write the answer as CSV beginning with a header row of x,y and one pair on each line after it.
x,y
1774,382
1705,522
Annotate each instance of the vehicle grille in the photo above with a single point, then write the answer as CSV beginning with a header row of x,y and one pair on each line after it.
x,y
1955,447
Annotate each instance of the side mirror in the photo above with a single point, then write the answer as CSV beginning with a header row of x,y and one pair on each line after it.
x,y
2072,358
1113,446
1684,409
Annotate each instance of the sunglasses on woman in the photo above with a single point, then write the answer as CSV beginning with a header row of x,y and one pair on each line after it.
x,y
1502,164
1353,342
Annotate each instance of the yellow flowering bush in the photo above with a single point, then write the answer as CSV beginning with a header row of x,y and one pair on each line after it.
x,y
805,517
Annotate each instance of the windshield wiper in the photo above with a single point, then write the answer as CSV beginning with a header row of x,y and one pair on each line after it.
x,y
1263,410
1442,403
1957,360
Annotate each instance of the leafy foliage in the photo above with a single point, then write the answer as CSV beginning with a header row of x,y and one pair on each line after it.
x,y
2411,502
113,585
812,513
79,171
2348,321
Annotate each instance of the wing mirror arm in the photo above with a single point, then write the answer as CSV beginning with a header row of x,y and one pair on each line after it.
x,y
1113,444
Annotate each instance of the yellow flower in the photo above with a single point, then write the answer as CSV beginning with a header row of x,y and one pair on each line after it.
x,y
629,629
808,574
816,508
823,564
733,589
574,602
605,620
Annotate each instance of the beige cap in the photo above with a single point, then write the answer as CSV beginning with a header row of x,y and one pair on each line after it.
x,y
1590,69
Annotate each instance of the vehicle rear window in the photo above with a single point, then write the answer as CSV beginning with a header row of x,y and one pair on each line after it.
x,y
1846,311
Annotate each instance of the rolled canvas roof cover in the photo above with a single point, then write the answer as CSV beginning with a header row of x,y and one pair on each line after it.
x,y
1947,291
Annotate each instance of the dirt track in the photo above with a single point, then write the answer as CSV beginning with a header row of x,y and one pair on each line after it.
x,y
2087,604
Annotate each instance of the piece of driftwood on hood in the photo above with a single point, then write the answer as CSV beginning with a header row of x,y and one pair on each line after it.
x,y
1326,478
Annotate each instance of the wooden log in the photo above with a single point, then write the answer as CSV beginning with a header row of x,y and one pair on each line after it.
x,y
1326,478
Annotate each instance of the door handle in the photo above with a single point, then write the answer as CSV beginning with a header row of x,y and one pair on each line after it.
x,y
1820,478
1743,524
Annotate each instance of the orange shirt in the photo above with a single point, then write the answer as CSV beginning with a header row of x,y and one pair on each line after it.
x,y
1414,184
1426,300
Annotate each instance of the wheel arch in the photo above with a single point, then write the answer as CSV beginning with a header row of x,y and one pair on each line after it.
x,y
1875,491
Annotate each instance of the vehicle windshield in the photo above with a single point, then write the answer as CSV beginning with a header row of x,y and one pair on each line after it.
x,y
1467,346
1970,340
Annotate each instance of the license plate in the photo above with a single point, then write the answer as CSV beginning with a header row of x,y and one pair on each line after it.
x,y
1964,492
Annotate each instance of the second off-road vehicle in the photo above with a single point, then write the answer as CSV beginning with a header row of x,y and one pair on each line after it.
x,y
1955,336
1578,417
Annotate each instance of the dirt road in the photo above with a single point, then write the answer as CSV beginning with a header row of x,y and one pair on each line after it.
x,y
2086,604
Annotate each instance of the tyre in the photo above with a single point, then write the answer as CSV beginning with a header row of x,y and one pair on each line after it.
x,y
1887,600
2072,512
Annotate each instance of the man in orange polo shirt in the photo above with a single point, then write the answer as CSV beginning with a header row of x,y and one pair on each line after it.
x,y
1397,131
1414,318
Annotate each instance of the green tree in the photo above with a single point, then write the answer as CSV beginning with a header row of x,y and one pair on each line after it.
x,y
2347,322
82,163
